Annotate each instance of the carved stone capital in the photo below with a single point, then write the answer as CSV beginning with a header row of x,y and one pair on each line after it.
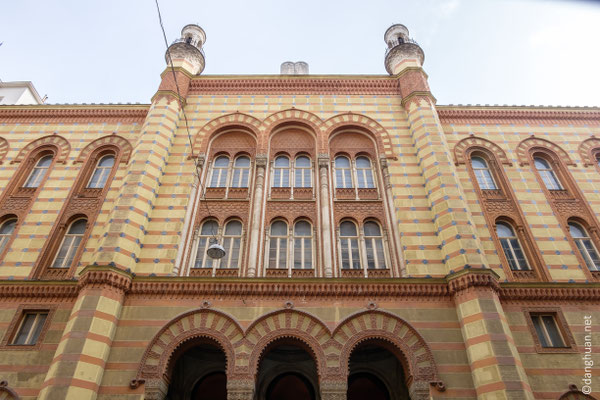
x,y
323,160
201,160
472,277
383,163
102,276
261,160
419,390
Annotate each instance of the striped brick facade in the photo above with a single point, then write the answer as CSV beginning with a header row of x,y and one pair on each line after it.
x,y
454,316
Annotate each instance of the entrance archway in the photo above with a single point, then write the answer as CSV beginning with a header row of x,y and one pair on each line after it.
x,y
287,371
376,373
198,372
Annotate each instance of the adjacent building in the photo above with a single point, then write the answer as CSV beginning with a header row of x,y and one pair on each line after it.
x,y
376,245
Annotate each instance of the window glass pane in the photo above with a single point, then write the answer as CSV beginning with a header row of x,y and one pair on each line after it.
x,y
370,254
107,161
26,327
541,164
38,328
235,254
577,231
209,228
222,162
345,253
282,161
307,253
45,161
552,330
355,254
347,228
537,323
509,254
302,228
242,162
307,178
202,260
363,162
233,228
78,227
504,230
279,228
477,162
285,178
36,177
8,227
380,255
342,162
372,229
282,252
303,162
339,178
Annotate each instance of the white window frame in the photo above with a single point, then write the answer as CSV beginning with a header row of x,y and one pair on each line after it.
x,y
311,240
226,170
280,248
289,170
360,244
295,169
241,169
350,173
373,239
363,172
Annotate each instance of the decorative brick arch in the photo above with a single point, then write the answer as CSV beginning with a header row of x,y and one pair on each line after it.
x,y
370,126
6,393
3,148
115,141
287,324
530,144
588,149
291,115
61,145
468,144
412,350
237,119
196,324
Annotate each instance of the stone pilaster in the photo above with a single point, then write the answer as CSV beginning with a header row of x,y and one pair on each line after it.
x,y
240,389
494,360
257,207
391,211
325,215
78,365
334,390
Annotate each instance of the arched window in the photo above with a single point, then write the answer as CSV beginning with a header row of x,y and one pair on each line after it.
x,y
6,231
483,174
220,169
281,172
208,230
241,172
303,173
303,254
585,246
511,247
374,246
232,243
343,173
39,172
548,175
70,244
278,245
364,173
102,172
349,246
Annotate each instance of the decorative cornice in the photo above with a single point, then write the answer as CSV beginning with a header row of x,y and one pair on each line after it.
x,y
458,114
285,85
102,276
550,291
472,277
125,113
38,290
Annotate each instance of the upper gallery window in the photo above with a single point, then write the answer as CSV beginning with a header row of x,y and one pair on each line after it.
x,y
349,246
303,254
70,244
6,231
102,172
278,245
364,173
30,328
39,172
208,230
511,247
357,173
241,172
220,169
232,243
483,174
374,246
343,173
585,246
303,172
289,250
281,172
547,173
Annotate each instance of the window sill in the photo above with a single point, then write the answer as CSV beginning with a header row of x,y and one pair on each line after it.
x,y
353,273
524,275
379,273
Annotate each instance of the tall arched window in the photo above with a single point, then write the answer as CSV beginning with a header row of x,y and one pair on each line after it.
x,y
343,173
102,172
39,172
374,246
350,254
585,246
220,170
70,244
303,254
483,174
232,243
511,247
208,230
364,173
6,231
241,172
278,245
281,172
547,174
303,173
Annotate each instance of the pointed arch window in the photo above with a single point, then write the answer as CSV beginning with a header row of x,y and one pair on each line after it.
x,y
70,244
343,172
511,247
281,172
547,174
374,246
102,172
364,173
278,245
241,172
220,171
232,243
349,249
303,253
6,231
208,230
585,246
302,172
482,172
38,172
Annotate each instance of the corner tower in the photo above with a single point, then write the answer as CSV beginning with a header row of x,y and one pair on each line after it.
x,y
187,51
400,48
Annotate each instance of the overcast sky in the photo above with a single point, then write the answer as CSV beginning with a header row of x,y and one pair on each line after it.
x,y
476,51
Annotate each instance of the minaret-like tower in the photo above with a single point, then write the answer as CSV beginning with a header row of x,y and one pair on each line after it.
x,y
187,51
400,48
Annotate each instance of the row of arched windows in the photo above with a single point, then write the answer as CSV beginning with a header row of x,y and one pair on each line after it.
x,y
359,248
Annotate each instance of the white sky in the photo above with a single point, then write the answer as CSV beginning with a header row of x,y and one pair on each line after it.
x,y
476,51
